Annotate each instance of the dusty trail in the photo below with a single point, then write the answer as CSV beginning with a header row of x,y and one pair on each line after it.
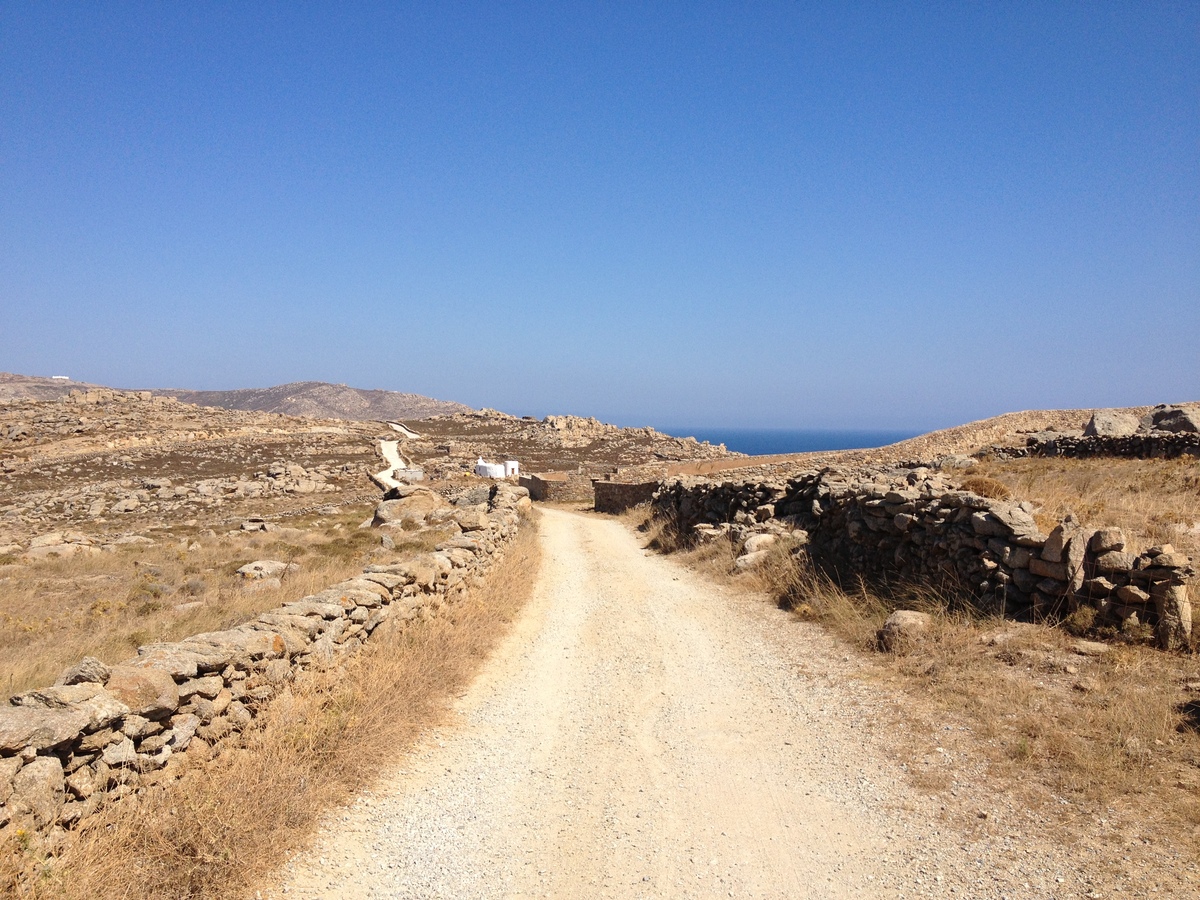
x,y
643,733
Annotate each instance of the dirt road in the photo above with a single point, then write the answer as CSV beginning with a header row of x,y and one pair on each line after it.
x,y
642,733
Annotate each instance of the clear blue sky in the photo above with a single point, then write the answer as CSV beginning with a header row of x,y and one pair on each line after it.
x,y
799,215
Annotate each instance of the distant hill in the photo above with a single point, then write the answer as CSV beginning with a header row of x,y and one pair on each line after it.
x,y
323,400
301,398
34,387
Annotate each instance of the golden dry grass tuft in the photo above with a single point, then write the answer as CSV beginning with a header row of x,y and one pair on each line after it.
x,y
986,487
228,823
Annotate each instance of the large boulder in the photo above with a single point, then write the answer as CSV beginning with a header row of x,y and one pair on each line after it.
x,y
1111,423
1176,419
757,542
472,518
749,561
101,707
1067,545
1010,520
509,496
237,645
177,659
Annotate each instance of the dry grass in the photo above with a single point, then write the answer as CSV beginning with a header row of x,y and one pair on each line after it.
x,y
55,612
986,487
230,822
1156,501
1099,729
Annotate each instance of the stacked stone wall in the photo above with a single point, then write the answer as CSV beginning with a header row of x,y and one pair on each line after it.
x,y
911,528
1155,445
558,486
103,732
618,496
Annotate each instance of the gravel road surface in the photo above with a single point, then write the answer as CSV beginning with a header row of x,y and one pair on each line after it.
x,y
643,733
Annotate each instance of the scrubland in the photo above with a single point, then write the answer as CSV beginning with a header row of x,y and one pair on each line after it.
x,y
106,605
231,819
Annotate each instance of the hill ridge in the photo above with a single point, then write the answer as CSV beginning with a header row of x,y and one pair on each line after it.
x,y
318,399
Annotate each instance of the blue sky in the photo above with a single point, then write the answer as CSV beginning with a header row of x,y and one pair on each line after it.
x,y
795,215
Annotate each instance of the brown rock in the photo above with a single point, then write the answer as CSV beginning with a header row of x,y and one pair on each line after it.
x,y
214,730
903,629
1107,539
1174,615
1114,561
1043,569
209,686
471,519
238,645
119,754
101,707
277,671
147,692
38,790
177,659
1131,594
40,729
412,508
86,670
9,766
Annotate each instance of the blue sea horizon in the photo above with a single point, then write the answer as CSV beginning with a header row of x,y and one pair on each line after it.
x,y
768,441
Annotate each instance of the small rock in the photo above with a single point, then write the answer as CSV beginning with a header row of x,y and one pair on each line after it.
x,y
904,628
267,568
87,670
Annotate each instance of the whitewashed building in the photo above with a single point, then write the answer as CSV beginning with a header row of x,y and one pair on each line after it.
x,y
507,469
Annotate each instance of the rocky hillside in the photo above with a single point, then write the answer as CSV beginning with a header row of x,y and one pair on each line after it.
x,y
555,443
315,399
325,401
33,387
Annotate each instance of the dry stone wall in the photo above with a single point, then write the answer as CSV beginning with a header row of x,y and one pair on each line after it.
x,y
102,732
618,496
911,527
1156,445
557,486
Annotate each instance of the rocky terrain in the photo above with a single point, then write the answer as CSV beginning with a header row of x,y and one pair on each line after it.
x,y
206,540
97,464
301,398
555,443
1008,430
317,398
103,730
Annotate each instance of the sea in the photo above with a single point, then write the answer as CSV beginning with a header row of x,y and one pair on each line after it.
x,y
765,441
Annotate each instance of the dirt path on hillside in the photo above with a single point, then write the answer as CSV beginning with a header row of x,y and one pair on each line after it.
x,y
643,733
